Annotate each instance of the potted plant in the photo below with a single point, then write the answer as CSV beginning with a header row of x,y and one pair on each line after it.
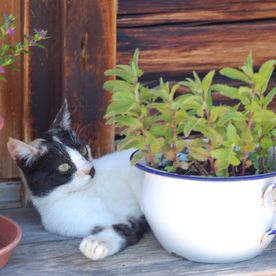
x,y
10,232
209,168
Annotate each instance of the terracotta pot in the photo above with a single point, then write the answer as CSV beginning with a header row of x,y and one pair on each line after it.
x,y
10,235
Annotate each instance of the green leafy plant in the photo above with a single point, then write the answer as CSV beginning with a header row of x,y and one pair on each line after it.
x,y
9,52
161,122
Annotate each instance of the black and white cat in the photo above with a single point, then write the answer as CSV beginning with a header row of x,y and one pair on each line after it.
x,y
80,197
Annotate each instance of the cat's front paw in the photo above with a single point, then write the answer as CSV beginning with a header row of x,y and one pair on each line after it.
x,y
94,248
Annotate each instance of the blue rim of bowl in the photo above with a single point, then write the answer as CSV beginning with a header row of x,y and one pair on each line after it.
x,y
151,170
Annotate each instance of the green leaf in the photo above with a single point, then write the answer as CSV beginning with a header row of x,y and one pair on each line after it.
x,y
233,160
133,142
125,68
269,97
206,83
189,83
138,156
158,130
121,74
248,66
173,90
197,79
234,74
266,143
189,126
225,90
217,111
231,116
136,57
163,108
199,153
214,136
180,145
245,94
231,134
262,78
119,107
220,153
117,85
126,121
181,115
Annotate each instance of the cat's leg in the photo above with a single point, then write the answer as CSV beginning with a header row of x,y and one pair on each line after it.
x,y
104,242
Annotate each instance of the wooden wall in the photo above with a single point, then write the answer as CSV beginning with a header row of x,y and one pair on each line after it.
x,y
11,95
178,36
81,47
175,37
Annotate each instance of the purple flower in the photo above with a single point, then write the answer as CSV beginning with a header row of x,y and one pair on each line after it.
x,y
42,33
10,31
2,70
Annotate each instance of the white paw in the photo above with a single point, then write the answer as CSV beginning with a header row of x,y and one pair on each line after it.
x,y
94,249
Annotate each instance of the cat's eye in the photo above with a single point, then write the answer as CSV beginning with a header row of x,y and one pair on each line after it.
x,y
84,151
64,167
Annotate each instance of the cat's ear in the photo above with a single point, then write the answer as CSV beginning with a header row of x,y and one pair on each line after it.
x,y
63,118
21,151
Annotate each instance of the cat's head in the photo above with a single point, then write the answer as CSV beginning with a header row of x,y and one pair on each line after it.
x,y
59,161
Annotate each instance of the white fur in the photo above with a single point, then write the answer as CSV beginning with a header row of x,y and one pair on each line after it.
x,y
111,197
106,243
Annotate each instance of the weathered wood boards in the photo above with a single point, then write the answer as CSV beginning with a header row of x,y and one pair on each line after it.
x,y
11,96
82,46
43,253
176,37
89,49
145,13
10,194
177,50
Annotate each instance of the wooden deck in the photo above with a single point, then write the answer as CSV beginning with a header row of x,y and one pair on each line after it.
x,y
43,253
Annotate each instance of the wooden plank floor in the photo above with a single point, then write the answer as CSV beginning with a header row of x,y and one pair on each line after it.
x,y
43,253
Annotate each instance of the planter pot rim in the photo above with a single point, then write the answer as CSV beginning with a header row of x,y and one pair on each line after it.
x,y
16,240
142,166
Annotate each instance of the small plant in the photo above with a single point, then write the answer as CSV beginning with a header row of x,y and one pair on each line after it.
x,y
8,52
161,122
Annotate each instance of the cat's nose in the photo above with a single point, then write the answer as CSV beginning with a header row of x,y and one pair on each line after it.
x,y
92,172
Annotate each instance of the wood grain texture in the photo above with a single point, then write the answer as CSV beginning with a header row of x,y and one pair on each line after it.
x,y
144,13
176,51
10,194
89,49
11,96
43,68
81,47
43,253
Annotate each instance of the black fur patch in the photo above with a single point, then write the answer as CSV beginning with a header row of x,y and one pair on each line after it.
x,y
43,175
96,230
132,231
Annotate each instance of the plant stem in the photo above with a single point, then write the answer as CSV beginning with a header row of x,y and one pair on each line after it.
x,y
174,138
249,127
210,158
